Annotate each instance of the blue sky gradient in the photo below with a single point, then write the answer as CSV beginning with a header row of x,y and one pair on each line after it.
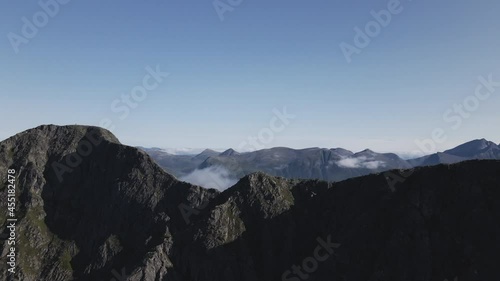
x,y
226,77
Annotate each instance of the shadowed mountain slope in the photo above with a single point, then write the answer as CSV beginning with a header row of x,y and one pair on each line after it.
x,y
115,211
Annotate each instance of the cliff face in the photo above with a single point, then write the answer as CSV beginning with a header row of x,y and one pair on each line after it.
x,y
116,214
89,207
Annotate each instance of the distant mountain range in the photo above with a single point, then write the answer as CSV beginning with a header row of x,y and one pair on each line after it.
x,y
182,151
89,208
314,163
476,149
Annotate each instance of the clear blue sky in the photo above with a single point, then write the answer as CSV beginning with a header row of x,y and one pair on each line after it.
x,y
227,76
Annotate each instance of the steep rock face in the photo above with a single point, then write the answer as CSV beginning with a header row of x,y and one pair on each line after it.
x,y
88,205
116,214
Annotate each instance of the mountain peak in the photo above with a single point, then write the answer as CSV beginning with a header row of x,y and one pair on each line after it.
x,y
260,193
256,175
205,154
208,151
47,140
187,231
77,188
229,152
259,181
366,152
341,152
472,148
70,131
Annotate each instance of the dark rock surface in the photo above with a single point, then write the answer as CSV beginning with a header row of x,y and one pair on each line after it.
x,y
116,212
116,209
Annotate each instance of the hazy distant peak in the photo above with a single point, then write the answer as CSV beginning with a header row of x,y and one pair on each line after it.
x,y
473,148
229,152
342,152
208,152
366,152
182,151
340,149
205,154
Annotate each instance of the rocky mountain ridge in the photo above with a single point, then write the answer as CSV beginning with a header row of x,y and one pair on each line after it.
x,y
90,208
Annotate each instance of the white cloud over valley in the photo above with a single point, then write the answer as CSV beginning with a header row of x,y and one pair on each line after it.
x,y
360,162
212,177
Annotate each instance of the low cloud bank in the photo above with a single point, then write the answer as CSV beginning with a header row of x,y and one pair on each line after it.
x,y
212,177
360,162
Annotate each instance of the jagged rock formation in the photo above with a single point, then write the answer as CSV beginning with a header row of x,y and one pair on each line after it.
x,y
88,205
116,214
